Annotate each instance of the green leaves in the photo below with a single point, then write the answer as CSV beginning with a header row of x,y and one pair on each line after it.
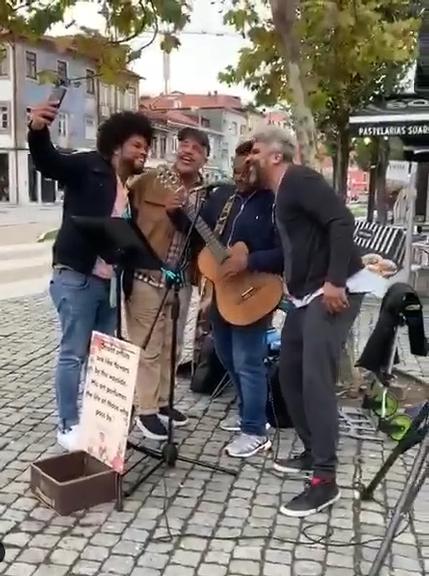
x,y
47,76
350,50
126,20
169,43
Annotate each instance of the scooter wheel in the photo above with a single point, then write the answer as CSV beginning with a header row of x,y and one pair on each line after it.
x,y
391,405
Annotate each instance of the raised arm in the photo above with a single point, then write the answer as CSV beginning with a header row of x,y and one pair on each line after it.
x,y
51,163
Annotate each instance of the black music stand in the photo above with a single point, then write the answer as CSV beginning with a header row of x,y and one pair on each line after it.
x,y
121,243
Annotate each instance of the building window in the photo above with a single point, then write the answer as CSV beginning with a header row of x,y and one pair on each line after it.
x,y
31,65
234,128
154,147
163,147
4,177
242,129
4,116
90,131
90,82
120,99
132,98
103,94
4,61
62,124
62,70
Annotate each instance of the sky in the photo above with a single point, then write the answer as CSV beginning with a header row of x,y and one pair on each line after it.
x,y
194,67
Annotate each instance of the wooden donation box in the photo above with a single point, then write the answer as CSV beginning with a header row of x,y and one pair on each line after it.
x,y
88,477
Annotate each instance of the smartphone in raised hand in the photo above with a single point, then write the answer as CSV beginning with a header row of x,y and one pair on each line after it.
x,y
57,95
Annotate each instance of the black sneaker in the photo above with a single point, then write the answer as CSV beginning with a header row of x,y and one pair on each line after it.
x,y
318,495
179,419
152,427
295,464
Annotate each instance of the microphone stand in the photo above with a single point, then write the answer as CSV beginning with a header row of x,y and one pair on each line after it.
x,y
169,454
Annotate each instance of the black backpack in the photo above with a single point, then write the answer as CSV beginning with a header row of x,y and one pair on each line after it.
x,y
208,371
277,412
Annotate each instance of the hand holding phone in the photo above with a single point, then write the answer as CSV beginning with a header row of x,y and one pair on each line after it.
x,y
44,114
57,95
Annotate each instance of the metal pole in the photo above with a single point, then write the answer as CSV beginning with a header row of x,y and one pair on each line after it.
x,y
411,208
401,506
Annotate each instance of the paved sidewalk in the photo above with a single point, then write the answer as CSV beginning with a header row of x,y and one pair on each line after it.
x,y
23,224
221,526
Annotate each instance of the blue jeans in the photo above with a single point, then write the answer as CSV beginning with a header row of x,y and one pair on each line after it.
x,y
242,350
82,303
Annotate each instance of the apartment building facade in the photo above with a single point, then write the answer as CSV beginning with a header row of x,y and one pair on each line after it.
x,y
87,102
167,126
223,115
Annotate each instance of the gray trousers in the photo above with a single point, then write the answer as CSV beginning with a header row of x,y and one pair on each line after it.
x,y
312,341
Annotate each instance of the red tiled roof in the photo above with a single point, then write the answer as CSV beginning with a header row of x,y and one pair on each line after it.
x,y
173,116
277,117
177,116
187,101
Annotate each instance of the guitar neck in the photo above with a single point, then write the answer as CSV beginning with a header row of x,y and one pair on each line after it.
x,y
216,247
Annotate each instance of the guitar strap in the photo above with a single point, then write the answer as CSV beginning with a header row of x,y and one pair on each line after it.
x,y
206,289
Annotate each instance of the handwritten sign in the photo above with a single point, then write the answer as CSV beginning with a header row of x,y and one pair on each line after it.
x,y
108,399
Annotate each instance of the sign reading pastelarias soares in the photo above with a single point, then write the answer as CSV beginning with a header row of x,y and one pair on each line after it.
x,y
108,399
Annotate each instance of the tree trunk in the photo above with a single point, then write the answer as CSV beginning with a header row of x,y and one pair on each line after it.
x,y
284,18
381,198
342,163
334,160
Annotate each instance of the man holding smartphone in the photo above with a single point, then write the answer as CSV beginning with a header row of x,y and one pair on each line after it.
x,y
94,185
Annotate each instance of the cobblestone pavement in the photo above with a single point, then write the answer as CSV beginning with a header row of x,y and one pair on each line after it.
x,y
220,525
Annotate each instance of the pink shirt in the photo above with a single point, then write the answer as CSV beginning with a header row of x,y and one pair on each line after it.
x,y
101,268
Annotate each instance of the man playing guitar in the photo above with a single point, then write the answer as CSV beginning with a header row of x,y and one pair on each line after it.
x,y
149,197
248,217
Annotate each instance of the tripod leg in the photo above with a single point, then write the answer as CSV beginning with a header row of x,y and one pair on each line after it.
x,y
367,492
411,438
119,493
400,508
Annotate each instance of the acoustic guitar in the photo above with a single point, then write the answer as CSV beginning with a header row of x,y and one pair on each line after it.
x,y
241,299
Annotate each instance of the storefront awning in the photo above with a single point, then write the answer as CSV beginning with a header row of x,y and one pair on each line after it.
x,y
403,116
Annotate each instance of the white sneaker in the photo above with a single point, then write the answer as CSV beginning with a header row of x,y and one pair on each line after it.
x,y
233,424
69,440
246,445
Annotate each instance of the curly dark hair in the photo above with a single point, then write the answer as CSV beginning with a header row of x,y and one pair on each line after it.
x,y
121,126
244,148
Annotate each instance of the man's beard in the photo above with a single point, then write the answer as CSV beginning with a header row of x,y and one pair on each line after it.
x,y
254,178
133,167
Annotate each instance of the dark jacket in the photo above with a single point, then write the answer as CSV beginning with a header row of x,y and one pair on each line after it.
x,y
251,220
400,305
89,190
317,232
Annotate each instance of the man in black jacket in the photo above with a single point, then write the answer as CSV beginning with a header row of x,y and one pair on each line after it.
x,y
94,184
326,284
